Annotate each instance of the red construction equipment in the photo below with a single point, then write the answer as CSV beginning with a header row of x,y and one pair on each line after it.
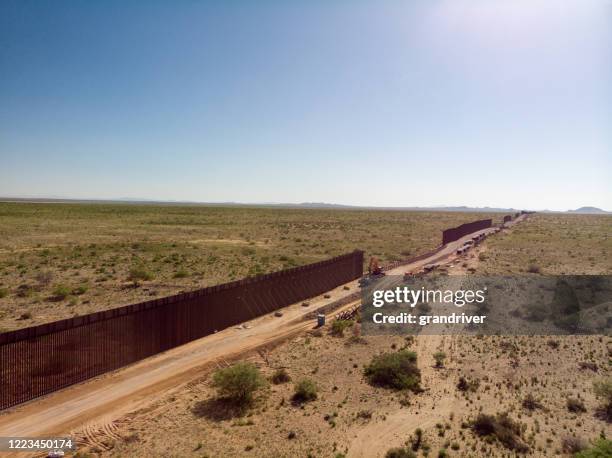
x,y
374,267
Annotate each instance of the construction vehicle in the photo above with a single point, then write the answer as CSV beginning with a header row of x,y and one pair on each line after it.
x,y
374,268
374,271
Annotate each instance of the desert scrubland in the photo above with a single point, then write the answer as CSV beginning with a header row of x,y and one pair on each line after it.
x,y
61,260
333,392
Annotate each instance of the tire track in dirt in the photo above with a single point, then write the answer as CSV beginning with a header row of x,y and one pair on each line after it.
x,y
136,387
435,406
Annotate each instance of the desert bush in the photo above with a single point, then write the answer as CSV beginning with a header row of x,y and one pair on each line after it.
x,y
394,370
482,257
467,385
575,405
572,445
139,273
554,344
533,269
399,452
24,290
3,292
305,390
531,403
238,383
601,449
79,290
61,292
26,316
439,357
280,376
502,428
338,327
587,365
44,278
423,308
603,391
417,440
181,273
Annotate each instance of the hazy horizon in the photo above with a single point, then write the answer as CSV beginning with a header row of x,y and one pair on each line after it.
x,y
386,104
137,200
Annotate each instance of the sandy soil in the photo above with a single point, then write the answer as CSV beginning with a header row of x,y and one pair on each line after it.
x,y
108,398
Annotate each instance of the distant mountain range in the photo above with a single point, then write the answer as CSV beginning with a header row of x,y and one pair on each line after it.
x,y
590,211
314,205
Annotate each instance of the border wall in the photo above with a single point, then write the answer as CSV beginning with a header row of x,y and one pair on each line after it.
x,y
41,359
455,233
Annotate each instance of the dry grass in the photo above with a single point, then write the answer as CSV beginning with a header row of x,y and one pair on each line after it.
x,y
552,245
480,375
107,249
348,407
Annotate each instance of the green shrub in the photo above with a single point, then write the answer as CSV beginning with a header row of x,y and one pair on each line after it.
x,y
439,356
575,405
338,327
603,390
417,440
181,273
79,290
139,273
531,403
364,414
305,391
502,428
572,445
3,292
554,344
601,449
395,370
467,385
280,376
399,452
238,383
61,292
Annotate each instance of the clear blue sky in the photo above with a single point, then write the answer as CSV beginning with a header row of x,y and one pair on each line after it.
x,y
375,103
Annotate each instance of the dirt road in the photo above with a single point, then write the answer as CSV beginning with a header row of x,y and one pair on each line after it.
x,y
375,438
115,394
